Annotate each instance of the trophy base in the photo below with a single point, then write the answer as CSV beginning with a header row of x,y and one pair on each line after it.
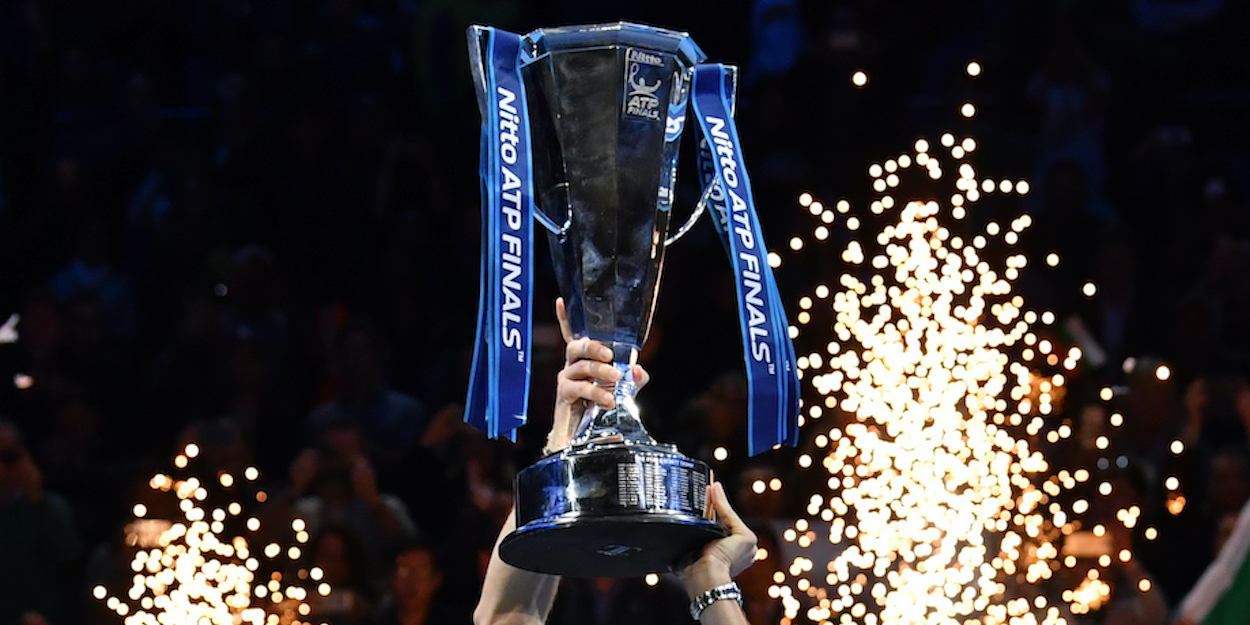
x,y
625,546
615,510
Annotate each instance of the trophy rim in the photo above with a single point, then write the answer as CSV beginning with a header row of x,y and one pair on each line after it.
x,y
587,36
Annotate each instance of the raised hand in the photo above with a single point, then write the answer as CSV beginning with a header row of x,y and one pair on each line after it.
x,y
587,377
722,559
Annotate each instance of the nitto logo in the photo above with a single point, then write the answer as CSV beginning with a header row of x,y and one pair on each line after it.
x,y
642,84
638,56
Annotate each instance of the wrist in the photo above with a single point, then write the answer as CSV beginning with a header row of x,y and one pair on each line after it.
x,y
718,598
705,575
555,442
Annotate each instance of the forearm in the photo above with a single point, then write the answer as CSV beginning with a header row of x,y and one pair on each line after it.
x,y
511,596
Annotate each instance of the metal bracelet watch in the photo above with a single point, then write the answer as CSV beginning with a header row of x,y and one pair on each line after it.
x,y
724,591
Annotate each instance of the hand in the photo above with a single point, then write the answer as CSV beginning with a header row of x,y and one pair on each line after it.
x,y
304,470
641,377
722,559
445,424
364,481
588,376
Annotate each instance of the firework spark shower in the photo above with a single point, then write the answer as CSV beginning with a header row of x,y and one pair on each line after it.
x,y
930,497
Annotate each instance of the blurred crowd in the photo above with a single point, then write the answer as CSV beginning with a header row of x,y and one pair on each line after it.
x,y
253,224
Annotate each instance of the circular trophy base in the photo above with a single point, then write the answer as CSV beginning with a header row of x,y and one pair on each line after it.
x,y
625,546
616,510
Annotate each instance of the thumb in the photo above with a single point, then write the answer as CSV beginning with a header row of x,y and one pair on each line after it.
x,y
720,503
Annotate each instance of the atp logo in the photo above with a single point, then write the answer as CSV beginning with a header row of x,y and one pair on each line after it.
x,y
643,80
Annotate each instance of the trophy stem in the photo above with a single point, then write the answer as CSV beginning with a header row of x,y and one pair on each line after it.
x,y
615,425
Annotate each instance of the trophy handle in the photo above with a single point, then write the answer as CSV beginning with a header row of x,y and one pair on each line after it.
x,y
694,217
541,216
478,38
731,72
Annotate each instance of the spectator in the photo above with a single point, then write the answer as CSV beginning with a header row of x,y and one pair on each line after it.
x,y
1133,603
387,421
1071,90
347,568
333,487
92,272
38,541
1228,487
416,596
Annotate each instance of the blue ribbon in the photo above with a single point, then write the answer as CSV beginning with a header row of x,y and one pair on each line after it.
x,y
767,349
499,381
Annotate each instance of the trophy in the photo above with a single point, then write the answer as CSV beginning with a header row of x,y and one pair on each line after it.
x,y
590,119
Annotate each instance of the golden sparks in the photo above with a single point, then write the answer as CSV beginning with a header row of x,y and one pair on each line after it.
x,y
190,570
936,383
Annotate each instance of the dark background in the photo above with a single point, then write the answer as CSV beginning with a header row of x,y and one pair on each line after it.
x,y
203,202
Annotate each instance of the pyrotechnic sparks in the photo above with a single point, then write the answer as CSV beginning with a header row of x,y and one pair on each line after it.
x,y
192,570
939,501
931,494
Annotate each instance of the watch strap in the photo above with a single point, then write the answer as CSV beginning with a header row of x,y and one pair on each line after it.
x,y
724,591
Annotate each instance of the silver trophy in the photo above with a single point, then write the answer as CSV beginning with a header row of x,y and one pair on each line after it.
x,y
607,106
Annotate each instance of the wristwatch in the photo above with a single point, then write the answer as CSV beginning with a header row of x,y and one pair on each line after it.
x,y
724,591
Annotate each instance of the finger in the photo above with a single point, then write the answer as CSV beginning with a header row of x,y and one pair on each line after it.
x,y
641,377
562,314
586,349
573,390
592,371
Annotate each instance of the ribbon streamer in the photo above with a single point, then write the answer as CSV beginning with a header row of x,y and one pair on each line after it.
x,y
499,381
767,349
